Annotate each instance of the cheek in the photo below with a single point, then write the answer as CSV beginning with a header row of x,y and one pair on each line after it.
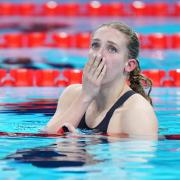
x,y
115,64
113,61
90,53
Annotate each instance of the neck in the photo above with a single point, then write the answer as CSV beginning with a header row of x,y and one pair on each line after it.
x,y
109,93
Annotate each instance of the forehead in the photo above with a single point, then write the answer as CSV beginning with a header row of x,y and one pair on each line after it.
x,y
110,34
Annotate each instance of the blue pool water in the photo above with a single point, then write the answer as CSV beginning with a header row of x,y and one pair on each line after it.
x,y
48,58
83,156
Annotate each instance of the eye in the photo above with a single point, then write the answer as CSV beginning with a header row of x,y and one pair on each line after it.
x,y
112,49
95,45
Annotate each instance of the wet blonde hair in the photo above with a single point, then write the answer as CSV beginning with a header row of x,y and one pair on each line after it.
x,y
137,81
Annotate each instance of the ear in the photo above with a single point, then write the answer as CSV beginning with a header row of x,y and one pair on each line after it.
x,y
130,65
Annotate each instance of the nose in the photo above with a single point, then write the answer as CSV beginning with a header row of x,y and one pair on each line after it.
x,y
101,51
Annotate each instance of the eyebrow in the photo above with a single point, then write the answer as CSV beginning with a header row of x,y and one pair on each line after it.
x,y
110,42
95,40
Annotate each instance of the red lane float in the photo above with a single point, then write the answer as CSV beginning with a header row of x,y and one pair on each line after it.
x,y
159,9
177,9
158,41
172,137
93,8
167,83
51,8
143,41
82,40
96,8
46,77
155,75
63,40
139,8
175,75
62,133
73,76
117,9
17,134
51,77
36,39
175,40
15,40
26,9
22,77
2,75
8,9
71,9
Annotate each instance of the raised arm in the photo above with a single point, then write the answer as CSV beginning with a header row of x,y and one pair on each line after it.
x,y
70,109
75,100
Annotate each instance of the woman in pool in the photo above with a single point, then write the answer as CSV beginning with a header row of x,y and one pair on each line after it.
x,y
111,98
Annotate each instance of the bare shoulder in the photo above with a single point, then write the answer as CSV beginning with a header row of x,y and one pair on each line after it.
x,y
138,102
68,95
71,90
139,117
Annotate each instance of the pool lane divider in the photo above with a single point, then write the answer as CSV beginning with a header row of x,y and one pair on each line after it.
x,y
81,40
94,8
56,78
62,133
18,134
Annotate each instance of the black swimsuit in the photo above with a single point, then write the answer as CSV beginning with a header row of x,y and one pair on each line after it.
x,y
103,126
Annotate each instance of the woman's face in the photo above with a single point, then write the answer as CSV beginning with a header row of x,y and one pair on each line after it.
x,y
111,44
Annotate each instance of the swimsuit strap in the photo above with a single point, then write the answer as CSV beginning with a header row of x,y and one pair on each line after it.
x,y
82,124
103,126
105,122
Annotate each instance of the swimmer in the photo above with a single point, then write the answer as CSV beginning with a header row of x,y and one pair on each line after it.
x,y
112,98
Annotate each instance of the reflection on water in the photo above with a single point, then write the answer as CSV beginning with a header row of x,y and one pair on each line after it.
x,y
94,156
47,106
61,154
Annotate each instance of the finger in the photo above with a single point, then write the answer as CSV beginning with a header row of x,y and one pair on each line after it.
x,y
92,59
102,74
87,68
96,63
97,60
90,63
99,68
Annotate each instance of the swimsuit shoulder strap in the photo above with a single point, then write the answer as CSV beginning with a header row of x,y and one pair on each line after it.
x,y
82,124
105,122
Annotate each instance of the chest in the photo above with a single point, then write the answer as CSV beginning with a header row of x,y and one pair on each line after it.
x,y
94,118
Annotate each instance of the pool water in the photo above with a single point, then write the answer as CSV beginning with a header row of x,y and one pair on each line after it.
x,y
83,156
53,58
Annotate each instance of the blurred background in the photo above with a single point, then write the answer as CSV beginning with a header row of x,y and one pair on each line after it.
x,y
45,43
43,48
